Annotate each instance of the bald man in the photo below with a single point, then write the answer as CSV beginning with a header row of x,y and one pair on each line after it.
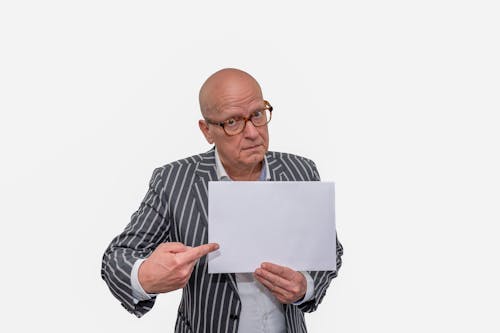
x,y
164,246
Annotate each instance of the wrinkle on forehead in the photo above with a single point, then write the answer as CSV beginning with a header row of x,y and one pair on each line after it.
x,y
229,85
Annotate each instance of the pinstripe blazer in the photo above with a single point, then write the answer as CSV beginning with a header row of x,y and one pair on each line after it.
x,y
175,210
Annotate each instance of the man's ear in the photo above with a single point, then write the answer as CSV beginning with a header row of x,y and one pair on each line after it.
x,y
206,131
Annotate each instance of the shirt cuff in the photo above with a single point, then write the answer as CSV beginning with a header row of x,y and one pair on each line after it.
x,y
310,289
138,293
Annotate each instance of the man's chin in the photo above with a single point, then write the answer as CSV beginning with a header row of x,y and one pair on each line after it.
x,y
254,155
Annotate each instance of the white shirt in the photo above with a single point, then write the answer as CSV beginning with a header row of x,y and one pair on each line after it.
x,y
260,310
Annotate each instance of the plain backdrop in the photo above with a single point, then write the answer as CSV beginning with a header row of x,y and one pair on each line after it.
x,y
395,101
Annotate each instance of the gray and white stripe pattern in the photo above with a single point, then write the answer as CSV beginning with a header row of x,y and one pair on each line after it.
x,y
175,210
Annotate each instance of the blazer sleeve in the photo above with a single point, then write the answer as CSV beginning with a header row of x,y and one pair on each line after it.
x,y
147,229
321,279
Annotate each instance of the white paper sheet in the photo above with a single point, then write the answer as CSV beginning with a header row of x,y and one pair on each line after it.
x,y
287,223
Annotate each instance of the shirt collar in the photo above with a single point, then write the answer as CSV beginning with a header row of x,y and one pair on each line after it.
x,y
222,174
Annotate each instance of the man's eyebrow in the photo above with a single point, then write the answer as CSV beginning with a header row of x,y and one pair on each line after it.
x,y
257,107
243,112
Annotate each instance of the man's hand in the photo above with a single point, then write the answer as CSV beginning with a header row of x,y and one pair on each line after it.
x,y
287,285
170,265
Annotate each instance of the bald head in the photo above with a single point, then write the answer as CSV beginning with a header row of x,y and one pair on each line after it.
x,y
233,95
226,85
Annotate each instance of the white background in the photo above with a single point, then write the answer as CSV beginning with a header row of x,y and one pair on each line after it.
x,y
395,101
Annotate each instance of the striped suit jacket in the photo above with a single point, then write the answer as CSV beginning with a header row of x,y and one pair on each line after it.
x,y
175,210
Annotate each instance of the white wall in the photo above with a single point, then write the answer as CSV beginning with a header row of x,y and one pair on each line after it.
x,y
394,100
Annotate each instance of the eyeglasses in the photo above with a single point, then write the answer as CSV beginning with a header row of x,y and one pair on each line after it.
x,y
236,125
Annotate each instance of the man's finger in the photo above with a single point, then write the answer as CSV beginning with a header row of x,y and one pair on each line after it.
x,y
197,252
275,289
282,271
273,279
174,247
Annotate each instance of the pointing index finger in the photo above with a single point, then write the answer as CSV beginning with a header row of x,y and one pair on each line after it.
x,y
197,252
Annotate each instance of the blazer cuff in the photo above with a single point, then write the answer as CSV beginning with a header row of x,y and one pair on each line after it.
x,y
310,289
138,293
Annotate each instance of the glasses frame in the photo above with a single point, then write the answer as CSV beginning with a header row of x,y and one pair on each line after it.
x,y
268,106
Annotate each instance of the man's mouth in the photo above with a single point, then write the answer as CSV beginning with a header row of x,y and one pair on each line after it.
x,y
251,147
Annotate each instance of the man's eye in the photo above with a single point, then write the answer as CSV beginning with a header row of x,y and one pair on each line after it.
x,y
258,114
231,122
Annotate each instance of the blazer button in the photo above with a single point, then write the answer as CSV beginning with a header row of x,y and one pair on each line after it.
x,y
233,317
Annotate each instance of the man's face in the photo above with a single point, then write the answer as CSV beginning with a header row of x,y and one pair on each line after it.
x,y
244,150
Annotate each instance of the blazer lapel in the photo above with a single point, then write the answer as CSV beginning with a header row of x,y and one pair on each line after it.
x,y
276,168
205,172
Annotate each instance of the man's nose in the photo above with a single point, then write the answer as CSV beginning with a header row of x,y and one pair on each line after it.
x,y
250,130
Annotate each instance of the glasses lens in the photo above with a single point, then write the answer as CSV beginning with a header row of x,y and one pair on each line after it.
x,y
234,126
260,118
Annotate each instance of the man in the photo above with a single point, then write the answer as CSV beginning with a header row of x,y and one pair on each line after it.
x,y
164,246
